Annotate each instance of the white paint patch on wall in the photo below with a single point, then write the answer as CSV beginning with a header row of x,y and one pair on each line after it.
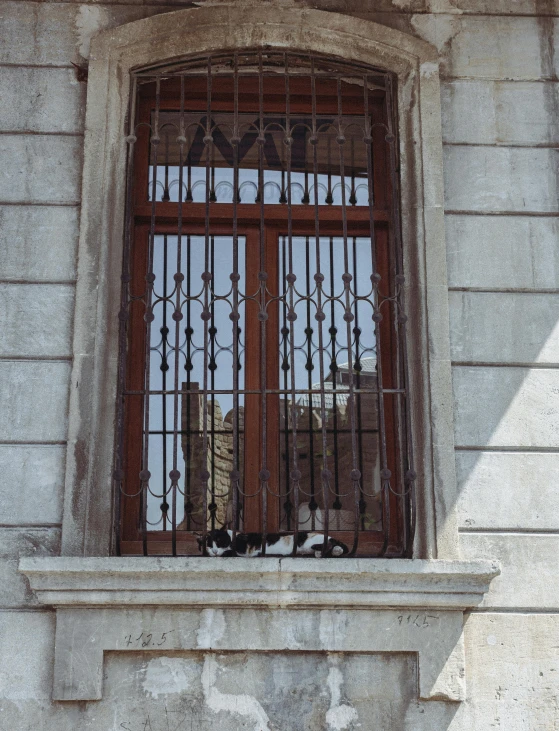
x,y
241,705
339,716
90,20
211,629
169,676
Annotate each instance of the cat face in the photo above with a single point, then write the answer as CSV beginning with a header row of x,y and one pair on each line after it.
x,y
218,542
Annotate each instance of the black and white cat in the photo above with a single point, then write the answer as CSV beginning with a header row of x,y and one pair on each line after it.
x,y
249,545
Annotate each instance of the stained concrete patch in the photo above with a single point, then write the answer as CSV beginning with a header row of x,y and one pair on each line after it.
x,y
168,676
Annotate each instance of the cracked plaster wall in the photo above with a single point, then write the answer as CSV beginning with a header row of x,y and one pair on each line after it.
x,y
500,92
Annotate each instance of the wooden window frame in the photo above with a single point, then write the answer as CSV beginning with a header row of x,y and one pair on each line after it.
x,y
133,540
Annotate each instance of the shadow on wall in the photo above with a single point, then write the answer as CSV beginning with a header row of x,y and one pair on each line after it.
x,y
505,350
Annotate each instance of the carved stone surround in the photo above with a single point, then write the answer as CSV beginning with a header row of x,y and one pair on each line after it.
x,y
263,604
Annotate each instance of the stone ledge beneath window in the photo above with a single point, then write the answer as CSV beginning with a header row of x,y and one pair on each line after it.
x,y
258,605
259,582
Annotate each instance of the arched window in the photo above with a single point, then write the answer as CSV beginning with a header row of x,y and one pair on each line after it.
x,y
262,371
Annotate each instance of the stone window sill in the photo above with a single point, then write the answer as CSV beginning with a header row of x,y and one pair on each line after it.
x,y
227,605
263,582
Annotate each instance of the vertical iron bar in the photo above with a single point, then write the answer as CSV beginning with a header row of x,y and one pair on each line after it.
x,y
356,333
285,368
177,316
164,384
291,278
206,277
348,317
212,365
308,334
188,395
320,317
334,370
235,476
263,277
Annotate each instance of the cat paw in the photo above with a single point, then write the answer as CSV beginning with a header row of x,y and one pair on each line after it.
x,y
318,554
337,551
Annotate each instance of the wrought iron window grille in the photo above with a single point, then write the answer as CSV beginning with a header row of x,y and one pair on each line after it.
x,y
263,378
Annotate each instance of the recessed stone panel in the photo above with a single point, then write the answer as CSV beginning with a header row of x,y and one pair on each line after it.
x,y
234,691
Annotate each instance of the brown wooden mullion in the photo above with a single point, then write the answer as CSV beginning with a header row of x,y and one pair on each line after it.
x,y
134,406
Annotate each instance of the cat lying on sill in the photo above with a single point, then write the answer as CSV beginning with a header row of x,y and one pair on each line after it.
x,y
249,545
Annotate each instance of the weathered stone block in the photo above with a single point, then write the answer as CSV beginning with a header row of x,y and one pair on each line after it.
x,y
27,640
15,543
485,112
500,490
31,484
528,577
41,100
38,242
488,47
495,7
58,33
516,407
501,179
514,668
33,401
498,327
37,319
502,251
40,168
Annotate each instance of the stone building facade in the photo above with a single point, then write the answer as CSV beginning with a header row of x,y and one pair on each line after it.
x,y
464,635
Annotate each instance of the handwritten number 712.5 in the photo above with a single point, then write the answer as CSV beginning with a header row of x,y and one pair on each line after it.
x,y
146,639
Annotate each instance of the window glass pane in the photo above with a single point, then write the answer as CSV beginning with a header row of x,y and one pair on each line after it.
x,y
329,177
320,422
188,333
